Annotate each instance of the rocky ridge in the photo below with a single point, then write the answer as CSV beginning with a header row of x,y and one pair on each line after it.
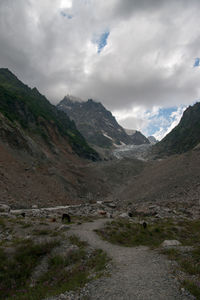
x,y
98,125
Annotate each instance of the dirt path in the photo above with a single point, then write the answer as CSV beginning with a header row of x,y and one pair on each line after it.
x,y
138,273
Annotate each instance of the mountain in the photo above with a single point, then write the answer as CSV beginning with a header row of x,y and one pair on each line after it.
x,y
185,136
137,137
95,122
36,115
43,157
152,140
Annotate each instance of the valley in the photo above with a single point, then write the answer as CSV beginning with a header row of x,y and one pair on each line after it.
x,y
102,173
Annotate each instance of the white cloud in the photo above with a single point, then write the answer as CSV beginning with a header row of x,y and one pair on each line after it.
x,y
173,120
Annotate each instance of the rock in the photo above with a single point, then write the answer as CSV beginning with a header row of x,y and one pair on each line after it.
x,y
107,201
4,208
34,206
158,216
145,211
111,205
124,215
99,202
170,243
64,227
109,215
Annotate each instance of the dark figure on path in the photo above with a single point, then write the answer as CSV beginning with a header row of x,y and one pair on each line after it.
x,y
144,225
23,214
66,217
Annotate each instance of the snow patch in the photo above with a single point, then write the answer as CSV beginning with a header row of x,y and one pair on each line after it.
x,y
107,136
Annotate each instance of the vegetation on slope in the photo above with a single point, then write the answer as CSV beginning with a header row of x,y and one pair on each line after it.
x,y
27,106
44,266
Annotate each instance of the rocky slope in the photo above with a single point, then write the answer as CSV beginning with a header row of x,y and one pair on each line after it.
x,y
95,122
137,137
174,180
152,139
185,136
43,155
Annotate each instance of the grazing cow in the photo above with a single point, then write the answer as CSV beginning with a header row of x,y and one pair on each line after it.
x,y
66,217
144,224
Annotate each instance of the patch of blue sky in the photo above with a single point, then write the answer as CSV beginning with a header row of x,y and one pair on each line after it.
x,y
102,41
66,15
197,62
163,119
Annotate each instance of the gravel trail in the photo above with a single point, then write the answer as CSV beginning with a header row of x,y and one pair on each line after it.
x,y
138,272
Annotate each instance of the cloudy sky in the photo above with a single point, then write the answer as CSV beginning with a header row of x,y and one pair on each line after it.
x,y
140,58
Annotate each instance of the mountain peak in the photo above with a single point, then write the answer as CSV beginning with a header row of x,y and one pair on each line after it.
x,y
95,122
72,98
137,137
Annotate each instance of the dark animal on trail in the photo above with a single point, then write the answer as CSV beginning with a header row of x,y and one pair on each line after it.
x,y
66,217
144,224
130,214
23,214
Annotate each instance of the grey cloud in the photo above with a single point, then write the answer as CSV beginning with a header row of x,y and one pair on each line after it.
x,y
147,62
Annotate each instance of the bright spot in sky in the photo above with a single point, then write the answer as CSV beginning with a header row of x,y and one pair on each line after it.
x,y
65,4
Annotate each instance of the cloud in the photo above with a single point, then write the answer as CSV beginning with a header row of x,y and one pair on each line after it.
x,y
157,122
142,59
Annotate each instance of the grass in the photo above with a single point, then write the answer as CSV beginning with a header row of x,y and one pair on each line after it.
x,y
125,233
76,241
42,232
16,270
2,223
189,263
26,225
83,219
64,273
192,288
98,260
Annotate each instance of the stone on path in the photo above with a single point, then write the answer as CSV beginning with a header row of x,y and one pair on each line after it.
x,y
170,243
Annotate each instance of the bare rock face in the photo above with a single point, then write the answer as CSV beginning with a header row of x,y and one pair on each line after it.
x,y
95,122
137,137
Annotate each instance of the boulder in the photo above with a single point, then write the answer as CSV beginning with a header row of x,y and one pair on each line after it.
x,y
34,206
4,208
111,205
124,215
170,243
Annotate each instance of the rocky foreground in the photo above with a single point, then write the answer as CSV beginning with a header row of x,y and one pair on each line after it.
x,y
73,262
